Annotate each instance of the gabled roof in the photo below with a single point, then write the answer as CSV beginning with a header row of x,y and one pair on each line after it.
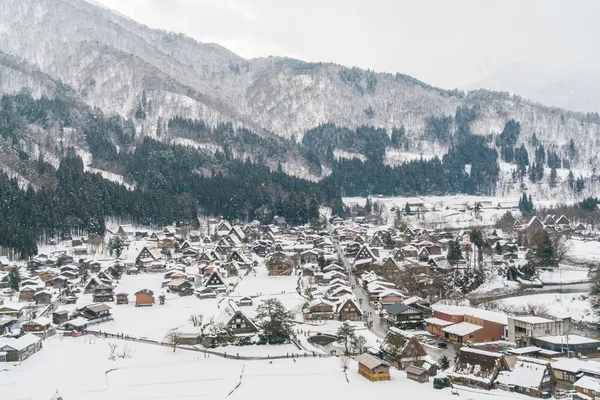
x,y
19,344
400,308
527,373
370,361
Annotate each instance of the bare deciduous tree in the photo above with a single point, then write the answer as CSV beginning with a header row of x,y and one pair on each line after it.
x,y
126,352
345,362
196,320
113,351
173,339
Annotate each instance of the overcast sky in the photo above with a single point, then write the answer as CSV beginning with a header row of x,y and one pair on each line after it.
x,y
442,42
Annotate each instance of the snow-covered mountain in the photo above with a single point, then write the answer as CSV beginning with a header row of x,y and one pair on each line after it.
x,y
578,91
111,62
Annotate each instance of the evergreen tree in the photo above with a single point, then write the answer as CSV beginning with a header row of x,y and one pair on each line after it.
x,y
454,254
369,205
571,180
444,363
275,320
572,149
345,335
398,136
407,209
14,279
553,178
322,262
115,246
579,184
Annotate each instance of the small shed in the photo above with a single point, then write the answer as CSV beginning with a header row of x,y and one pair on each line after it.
x,y
207,293
122,298
245,301
144,297
59,317
373,368
417,374
43,297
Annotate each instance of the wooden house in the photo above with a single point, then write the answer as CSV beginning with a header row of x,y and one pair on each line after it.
x,y
364,253
530,376
60,282
76,325
400,313
417,374
103,294
319,309
60,317
92,284
477,368
144,297
373,368
215,281
207,293
283,266
412,353
38,325
12,310
587,386
245,302
181,286
26,293
95,311
20,349
348,309
122,298
239,324
43,297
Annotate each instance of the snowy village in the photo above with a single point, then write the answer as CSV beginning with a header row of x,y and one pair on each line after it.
x,y
350,305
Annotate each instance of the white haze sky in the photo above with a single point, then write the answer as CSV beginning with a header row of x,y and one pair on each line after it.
x,y
442,42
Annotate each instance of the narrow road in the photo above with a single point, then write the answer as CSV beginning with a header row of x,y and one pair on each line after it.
x,y
370,313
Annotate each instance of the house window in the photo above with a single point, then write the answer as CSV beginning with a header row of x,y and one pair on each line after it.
x,y
470,336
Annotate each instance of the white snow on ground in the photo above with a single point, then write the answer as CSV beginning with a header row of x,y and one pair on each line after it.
x,y
196,145
337,153
583,252
564,275
110,176
574,305
80,370
495,282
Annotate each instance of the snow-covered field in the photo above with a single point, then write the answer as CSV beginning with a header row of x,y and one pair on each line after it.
x,y
584,252
80,369
564,276
574,305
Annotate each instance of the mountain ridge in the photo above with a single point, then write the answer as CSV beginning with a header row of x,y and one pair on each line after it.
x,y
111,62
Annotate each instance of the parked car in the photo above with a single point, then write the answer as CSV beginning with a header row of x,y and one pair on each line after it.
x,y
442,345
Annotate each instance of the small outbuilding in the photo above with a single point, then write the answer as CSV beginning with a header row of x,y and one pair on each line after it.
x,y
417,374
122,298
144,297
373,368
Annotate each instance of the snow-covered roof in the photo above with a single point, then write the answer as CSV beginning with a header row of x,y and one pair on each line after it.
x,y
570,339
370,361
576,365
526,374
491,316
532,319
525,350
462,329
77,322
587,382
438,322
20,343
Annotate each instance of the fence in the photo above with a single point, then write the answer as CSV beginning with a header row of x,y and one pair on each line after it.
x,y
305,354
